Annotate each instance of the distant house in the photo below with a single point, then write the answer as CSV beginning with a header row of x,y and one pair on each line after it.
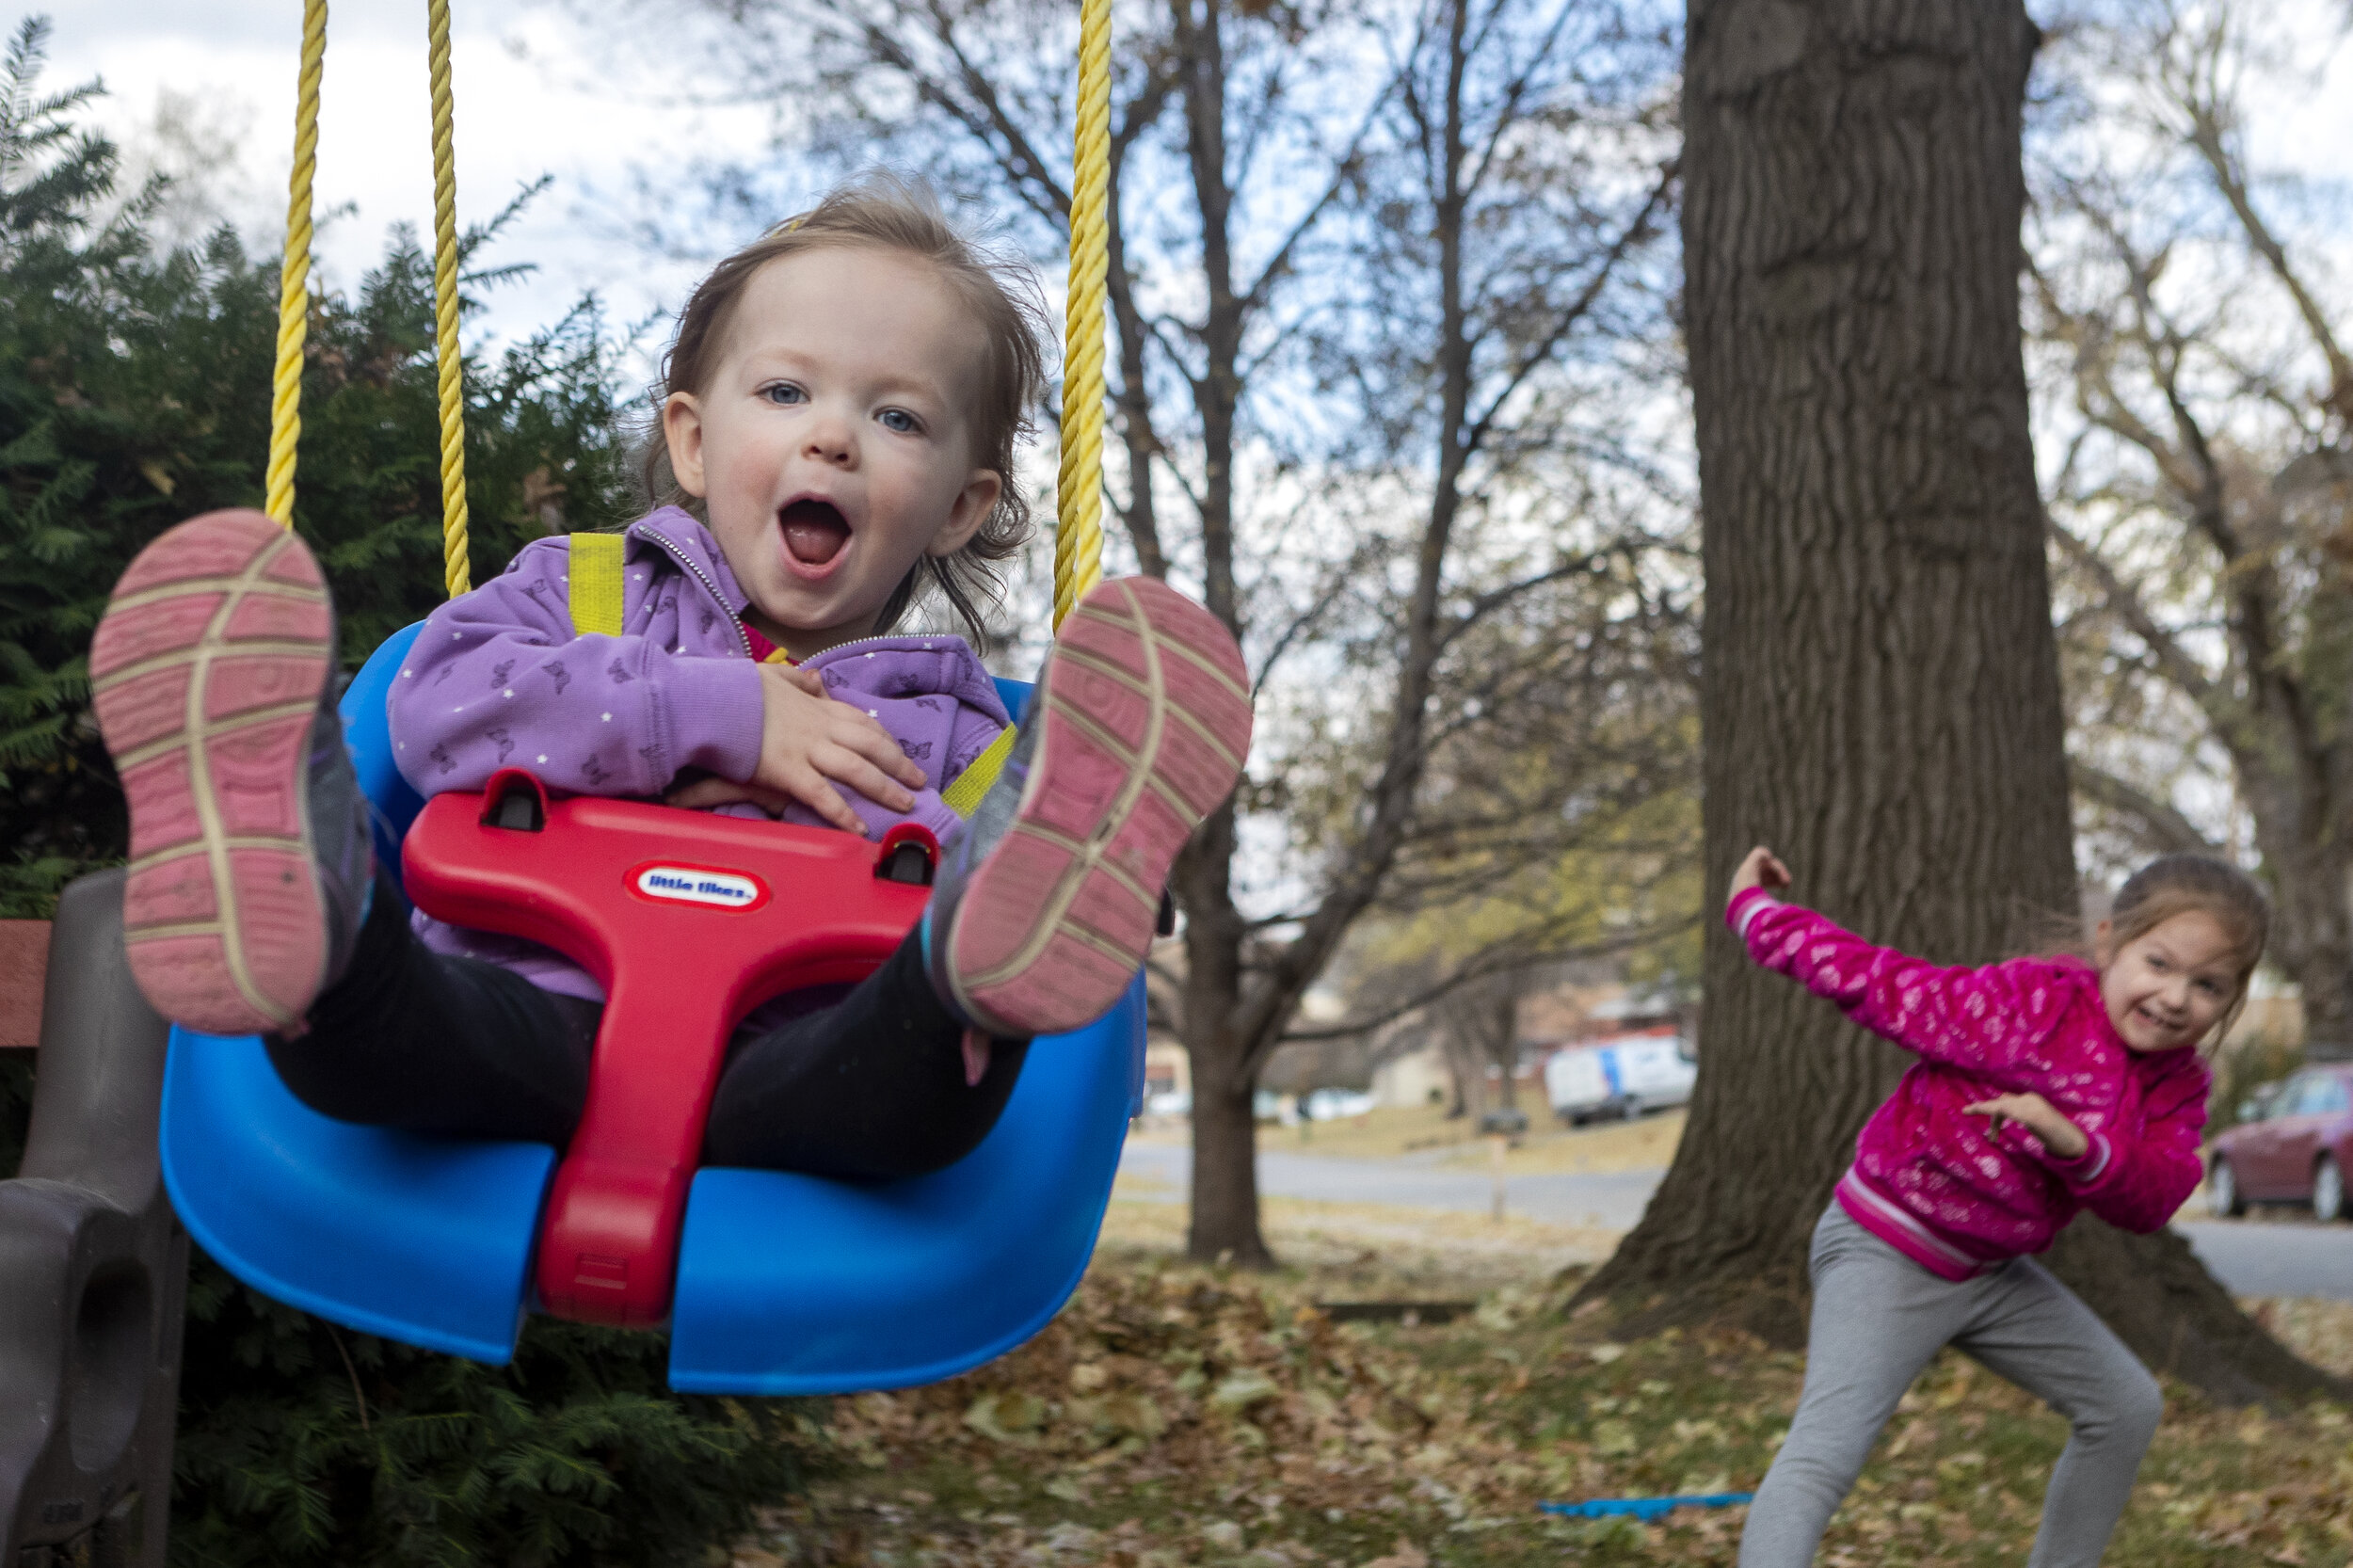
x,y
1411,1064
1420,1077
1569,1013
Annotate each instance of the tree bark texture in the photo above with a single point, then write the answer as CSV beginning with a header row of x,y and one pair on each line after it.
x,y
1880,688
1224,1226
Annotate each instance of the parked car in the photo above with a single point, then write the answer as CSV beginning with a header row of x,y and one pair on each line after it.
x,y
1621,1076
2292,1146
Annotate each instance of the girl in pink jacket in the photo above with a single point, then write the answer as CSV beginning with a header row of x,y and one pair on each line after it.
x,y
2045,1085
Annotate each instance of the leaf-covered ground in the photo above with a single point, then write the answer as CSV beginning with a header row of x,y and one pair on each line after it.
x,y
1174,1414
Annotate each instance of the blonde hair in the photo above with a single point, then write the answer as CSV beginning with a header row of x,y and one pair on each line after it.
x,y
882,211
2184,884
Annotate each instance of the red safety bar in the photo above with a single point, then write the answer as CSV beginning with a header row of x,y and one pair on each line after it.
x,y
689,921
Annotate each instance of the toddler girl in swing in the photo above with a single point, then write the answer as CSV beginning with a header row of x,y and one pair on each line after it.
x,y
2045,1085
844,398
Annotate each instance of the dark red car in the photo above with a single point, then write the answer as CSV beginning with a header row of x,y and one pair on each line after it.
x,y
2293,1146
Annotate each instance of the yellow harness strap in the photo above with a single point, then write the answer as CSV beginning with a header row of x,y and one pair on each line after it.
x,y
963,793
596,583
595,599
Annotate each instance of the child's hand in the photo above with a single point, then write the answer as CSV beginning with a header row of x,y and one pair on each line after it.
x,y
2038,1117
808,742
1762,869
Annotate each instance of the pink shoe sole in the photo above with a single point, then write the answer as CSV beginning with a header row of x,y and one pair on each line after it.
x,y
207,671
1145,721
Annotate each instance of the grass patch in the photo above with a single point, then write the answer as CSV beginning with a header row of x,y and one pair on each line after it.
x,y
1176,1415
1646,1144
1381,1132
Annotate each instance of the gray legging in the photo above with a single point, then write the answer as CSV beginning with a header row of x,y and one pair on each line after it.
x,y
1878,1318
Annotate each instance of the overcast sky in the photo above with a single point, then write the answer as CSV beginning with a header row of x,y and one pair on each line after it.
x,y
540,89
595,92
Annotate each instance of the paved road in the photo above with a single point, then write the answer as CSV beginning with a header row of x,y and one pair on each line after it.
x,y
2277,1257
2283,1257
1417,1180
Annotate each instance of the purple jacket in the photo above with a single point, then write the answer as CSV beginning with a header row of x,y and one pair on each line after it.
x,y
498,678
1939,1185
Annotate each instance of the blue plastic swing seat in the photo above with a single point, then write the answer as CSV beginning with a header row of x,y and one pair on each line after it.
x,y
786,1284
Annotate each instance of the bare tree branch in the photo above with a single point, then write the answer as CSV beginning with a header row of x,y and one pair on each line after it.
x,y
1494,961
2176,664
2230,178
2164,829
1634,233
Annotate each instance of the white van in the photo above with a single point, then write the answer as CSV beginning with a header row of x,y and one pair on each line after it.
x,y
1623,1076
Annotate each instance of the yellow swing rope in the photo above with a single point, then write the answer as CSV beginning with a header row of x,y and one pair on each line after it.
x,y
1079,501
454,567
294,291
294,276
1079,489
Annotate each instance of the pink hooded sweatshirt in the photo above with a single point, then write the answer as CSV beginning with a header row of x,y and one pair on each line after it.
x,y
1938,1185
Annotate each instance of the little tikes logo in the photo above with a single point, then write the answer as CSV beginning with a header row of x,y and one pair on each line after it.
x,y
712,886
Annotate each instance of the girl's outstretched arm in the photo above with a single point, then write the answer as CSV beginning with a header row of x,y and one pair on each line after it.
x,y
1990,1021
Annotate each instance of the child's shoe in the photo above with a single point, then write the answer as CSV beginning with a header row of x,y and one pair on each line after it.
x,y
214,676
1044,907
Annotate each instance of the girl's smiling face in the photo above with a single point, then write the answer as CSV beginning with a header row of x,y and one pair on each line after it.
x,y
831,449
2167,987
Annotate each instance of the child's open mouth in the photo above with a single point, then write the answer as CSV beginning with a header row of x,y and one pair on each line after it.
x,y
814,530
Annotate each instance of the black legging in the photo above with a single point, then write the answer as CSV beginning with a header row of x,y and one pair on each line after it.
x,y
870,1088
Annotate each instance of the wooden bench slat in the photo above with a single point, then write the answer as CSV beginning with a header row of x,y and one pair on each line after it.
x,y
24,968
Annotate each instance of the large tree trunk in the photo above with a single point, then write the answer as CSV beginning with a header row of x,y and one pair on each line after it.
x,y
1881,688
1224,1225
1225,1195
